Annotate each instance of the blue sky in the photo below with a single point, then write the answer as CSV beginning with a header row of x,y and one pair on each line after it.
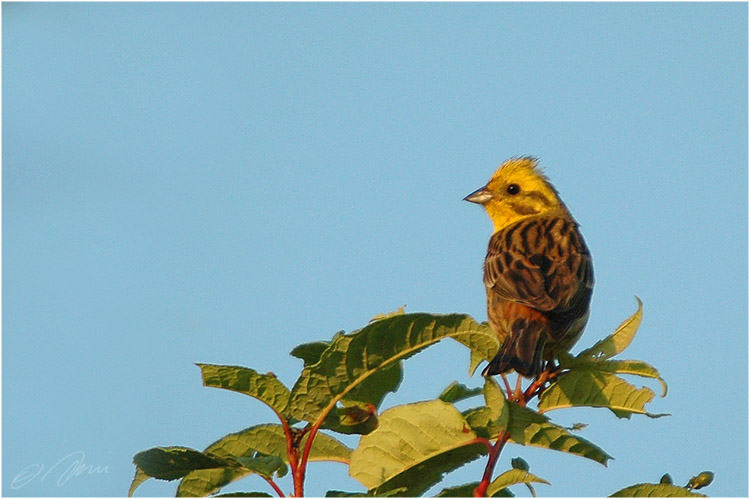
x,y
220,182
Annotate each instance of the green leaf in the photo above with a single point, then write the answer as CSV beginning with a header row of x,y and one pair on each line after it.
x,y
632,367
519,463
245,494
203,483
310,352
617,341
703,479
496,401
264,387
351,360
655,490
513,477
456,392
341,493
414,446
374,389
480,355
595,388
171,463
480,421
352,419
526,427
466,490
264,465
140,477
666,478
399,311
265,439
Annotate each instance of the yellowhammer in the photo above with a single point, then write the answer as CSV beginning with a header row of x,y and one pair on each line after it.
x,y
537,272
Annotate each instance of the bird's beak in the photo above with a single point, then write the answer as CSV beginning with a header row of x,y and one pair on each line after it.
x,y
480,196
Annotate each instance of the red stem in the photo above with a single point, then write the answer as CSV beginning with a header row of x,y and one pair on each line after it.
x,y
522,398
290,450
299,474
481,490
275,487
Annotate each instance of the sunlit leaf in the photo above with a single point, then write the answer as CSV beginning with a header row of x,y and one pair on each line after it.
x,y
456,392
655,490
701,480
513,477
617,341
140,477
414,446
526,427
244,494
495,399
595,388
399,311
351,360
264,387
631,367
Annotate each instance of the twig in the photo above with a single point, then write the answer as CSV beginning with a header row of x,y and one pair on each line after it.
x,y
299,476
273,484
481,490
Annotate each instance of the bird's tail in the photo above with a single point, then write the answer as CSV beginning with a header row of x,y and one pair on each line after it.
x,y
521,352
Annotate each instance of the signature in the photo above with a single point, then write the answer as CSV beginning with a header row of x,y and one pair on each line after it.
x,y
68,467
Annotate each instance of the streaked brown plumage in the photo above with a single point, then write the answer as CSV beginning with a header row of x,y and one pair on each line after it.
x,y
538,272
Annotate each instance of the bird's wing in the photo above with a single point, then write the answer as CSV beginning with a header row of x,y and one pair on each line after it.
x,y
540,262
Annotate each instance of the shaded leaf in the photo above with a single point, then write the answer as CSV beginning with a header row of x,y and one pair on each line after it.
x,y
373,390
351,359
655,490
352,419
310,352
519,463
466,490
341,493
171,463
264,387
456,392
666,478
414,446
617,341
264,465
513,477
265,439
594,388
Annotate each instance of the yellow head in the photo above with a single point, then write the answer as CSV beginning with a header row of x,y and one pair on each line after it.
x,y
518,190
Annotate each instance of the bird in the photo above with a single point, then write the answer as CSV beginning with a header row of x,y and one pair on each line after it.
x,y
538,272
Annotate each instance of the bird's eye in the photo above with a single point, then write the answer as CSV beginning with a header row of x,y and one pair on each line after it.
x,y
513,189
